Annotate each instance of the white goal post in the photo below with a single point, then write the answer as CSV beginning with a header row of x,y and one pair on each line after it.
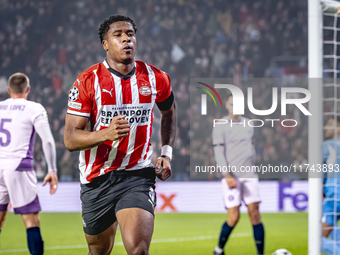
x,y
315,63
316,11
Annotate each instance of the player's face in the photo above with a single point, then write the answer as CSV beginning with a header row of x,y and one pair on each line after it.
x,y
120,42
329,129
229,105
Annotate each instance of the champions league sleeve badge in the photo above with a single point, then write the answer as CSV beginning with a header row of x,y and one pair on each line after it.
x,y
73,94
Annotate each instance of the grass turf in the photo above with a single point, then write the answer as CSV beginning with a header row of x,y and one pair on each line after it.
x,y
175,233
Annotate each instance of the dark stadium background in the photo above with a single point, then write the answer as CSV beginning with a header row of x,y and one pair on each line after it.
x,y
53,41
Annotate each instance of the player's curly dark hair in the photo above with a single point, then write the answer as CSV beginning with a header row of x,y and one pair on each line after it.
x,y
105,26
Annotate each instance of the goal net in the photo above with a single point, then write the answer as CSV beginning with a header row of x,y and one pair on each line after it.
x,y
324,62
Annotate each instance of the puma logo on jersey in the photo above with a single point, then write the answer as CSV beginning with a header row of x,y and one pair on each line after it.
x,y
110,92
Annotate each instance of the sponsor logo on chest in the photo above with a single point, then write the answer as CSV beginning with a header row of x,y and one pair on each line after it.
x,y
145,90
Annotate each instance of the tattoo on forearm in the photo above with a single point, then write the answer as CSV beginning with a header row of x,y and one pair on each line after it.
x,y
169,126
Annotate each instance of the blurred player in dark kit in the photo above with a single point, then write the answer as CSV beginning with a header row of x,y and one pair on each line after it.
x,y
233,147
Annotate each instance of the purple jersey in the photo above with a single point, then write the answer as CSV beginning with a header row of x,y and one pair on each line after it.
x,y
18,120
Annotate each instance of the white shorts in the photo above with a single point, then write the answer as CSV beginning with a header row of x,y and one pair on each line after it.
x,y
247,190
20,189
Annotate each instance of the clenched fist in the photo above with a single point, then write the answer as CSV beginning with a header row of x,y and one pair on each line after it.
x,y
119,128
165,173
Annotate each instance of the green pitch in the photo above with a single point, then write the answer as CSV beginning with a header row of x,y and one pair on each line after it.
x,y
175,233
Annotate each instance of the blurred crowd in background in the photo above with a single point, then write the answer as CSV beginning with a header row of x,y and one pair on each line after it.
x,y
54,41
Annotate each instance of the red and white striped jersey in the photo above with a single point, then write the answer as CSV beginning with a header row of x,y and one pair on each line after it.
x,y
100,93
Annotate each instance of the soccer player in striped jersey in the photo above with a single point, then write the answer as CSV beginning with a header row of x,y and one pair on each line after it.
x,y
331,208
109,120
20,120
233,147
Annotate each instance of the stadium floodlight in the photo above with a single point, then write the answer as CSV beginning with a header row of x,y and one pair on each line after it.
x,y
318,11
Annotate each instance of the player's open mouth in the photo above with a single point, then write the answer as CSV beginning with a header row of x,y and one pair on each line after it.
x,y
127,48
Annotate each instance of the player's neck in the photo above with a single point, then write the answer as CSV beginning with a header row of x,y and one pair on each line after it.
x,y
234,117
19,96
121,67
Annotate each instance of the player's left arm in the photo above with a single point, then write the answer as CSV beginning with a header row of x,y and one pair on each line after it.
x,y
168,135
42,127
325,155
253,150
166,104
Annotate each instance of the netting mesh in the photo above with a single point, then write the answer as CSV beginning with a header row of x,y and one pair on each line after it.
x,y
331,117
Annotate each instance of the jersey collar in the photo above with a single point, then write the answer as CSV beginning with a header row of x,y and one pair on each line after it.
x,y
124,77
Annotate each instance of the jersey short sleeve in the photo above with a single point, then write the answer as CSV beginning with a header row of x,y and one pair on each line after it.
x,y
218,135
79,97
40,116
163,86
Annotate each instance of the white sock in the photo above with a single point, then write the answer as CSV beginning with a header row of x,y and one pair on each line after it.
x,y
218,249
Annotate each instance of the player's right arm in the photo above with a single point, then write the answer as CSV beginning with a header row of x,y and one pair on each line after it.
x,y
76,138
80,104
220,155
219,151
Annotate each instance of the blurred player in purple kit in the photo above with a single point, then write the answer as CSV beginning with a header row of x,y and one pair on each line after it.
x,y
233,147
20,120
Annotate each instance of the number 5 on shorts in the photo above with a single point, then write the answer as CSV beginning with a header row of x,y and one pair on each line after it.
x,y
6,132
